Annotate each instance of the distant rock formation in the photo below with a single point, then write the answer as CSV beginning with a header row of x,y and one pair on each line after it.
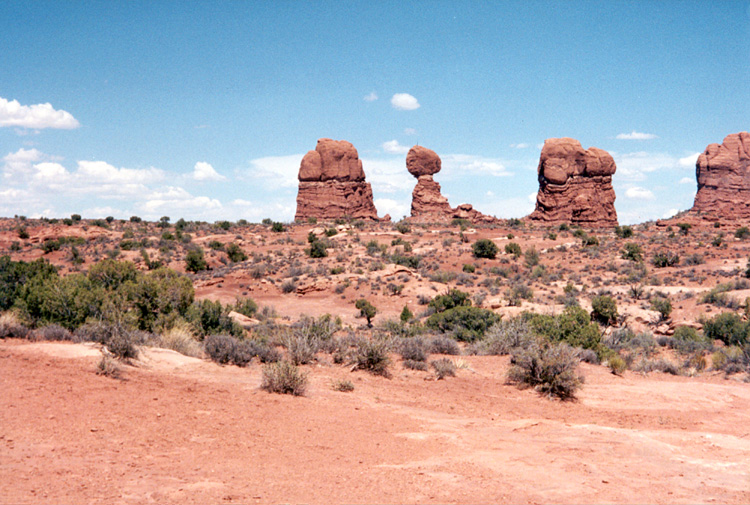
x,y
332,184
575,186
723,173
427,202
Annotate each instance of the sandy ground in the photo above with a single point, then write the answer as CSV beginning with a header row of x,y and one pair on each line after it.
x,y
179,429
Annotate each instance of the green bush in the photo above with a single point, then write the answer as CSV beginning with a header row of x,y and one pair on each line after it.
x,y
742,232
727,327
453,298
549,369
277,227
235,253
317,249
573,326
225,349
604,309
211,318
506,337
443,368
372,355
484,248
662,305
366,310
513,248
632,251
195,260
665,259
624,231
464,323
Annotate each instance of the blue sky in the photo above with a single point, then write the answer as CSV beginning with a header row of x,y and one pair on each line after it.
x,y
203,110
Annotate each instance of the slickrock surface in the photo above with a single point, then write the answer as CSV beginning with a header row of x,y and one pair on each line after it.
x,y
723,174
575,185
332,184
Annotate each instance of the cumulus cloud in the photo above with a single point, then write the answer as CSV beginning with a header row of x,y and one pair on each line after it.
x,y
634,135
532,198
20,163
388,175
635,166
274,171
205,172
393,147
688,180
371,97
397,209
404,101
38,116
637,193
689,161
457,164
670,213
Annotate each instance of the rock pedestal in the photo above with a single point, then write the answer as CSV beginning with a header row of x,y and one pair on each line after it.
x,y
575,185
723,174
332,184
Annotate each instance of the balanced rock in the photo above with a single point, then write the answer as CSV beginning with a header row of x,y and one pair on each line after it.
x,y
427,202
723,173
575,185
332,184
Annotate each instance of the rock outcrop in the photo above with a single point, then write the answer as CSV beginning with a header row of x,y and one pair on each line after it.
x,y
575,185
332,184
723,173
427,202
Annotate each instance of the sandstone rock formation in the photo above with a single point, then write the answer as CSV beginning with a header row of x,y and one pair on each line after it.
x,y
332,184
723,173
427,202
575,185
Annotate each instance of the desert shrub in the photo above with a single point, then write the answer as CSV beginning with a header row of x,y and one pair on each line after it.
x,y
23,234
484,248
225,349
108,367
366,310
111,274
443,345
121,341
624,231
235,253
307,338
727,327
245,306
717,296
469,268
284,378
519,291
549,369
505,337
342,385
277,227
182,339
415,365
157,294
617,365
317,249
67,301
531,257
403,227
413,349
624,339
687,340
11,326
405,260
742,232
53,332
662,305
604,309
453,298
50,245
288,286
731,360
443,368
464,323
632,251
589,240
657,365
665,259
588,356
684,228
211,318
573,326
694,259
513,248
372,355
406,315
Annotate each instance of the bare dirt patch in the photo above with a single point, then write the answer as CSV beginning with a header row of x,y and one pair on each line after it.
x,y
186,430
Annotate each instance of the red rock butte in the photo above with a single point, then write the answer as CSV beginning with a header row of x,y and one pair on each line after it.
x,y
427,202
723,174
575,185
332,184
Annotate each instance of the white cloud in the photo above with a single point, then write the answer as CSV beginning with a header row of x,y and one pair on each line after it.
x,y
688,180
205,172
689,161
101,172
274,171
458,164
635,166
634,135
404,101
532,198
20,163
670,213
52,172
38,116
371,97
397,209
522,145
175,199
393,147
388,175
410,131
637,193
